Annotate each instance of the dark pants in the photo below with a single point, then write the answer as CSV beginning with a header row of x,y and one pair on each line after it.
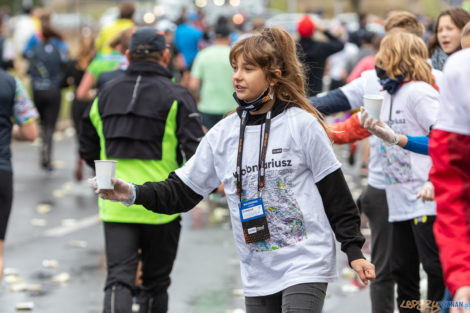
x,y
6,198
158,244
414,243
209,120
374,205
48,105
301,298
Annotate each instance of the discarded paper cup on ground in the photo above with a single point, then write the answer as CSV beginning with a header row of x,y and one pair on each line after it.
x,y
61,278
10,271
50,263
78,244
105,170
25,306
373,104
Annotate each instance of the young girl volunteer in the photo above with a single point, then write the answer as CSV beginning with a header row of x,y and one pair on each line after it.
x,y
285,214
446,36
410,106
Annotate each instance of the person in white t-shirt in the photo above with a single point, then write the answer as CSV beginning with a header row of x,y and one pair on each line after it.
x,y
284,216
449,148
410,106
373,198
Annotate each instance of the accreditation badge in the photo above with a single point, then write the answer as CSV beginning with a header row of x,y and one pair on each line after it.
x,y
254,222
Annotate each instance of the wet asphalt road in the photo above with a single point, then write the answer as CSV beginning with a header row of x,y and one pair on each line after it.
x,y
55,218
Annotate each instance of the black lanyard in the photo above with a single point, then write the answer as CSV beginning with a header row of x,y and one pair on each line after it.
x,y
262,156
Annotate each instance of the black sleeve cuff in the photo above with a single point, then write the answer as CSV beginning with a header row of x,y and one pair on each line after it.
x,y
170,196
141,193
354,253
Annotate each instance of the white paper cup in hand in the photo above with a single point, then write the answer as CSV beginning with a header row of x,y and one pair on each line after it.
x,y
105,170
373,104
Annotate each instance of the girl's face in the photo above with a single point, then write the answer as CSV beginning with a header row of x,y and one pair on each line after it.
x,y
448,35
249,81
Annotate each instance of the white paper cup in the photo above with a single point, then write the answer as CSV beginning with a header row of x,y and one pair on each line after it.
x,y
105,170
373,104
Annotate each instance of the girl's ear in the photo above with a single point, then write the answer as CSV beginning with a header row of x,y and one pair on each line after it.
x,y
277,73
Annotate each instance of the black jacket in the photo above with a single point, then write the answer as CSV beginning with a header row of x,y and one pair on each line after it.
x,y
313,55
134,109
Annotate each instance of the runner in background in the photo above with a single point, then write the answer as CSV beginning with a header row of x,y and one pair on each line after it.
x,y
73,74
187,38
6,49
102,63
17,121
47,54
211,81
109,32
121,44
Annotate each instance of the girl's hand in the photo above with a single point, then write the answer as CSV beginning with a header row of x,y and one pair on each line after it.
x,y
364,269
426,193
122,191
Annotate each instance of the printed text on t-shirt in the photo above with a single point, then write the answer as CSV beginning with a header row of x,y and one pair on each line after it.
x,y
270,164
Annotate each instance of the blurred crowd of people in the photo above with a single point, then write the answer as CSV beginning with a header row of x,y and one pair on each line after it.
x,y
154,98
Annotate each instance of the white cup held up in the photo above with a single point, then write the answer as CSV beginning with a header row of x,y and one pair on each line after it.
x,y
105,170
373,105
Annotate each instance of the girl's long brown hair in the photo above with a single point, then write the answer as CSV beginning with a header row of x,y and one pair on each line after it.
x,y
274,49
404,54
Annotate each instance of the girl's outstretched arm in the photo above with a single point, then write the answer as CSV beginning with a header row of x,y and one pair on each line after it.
x,y
168,197
342,213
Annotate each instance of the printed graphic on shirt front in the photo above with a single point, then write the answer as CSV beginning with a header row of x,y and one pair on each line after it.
x,y
285,219
397,167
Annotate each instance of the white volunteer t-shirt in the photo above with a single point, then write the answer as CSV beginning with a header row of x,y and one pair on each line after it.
x,y
367,84
302,247
454,113
412,111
